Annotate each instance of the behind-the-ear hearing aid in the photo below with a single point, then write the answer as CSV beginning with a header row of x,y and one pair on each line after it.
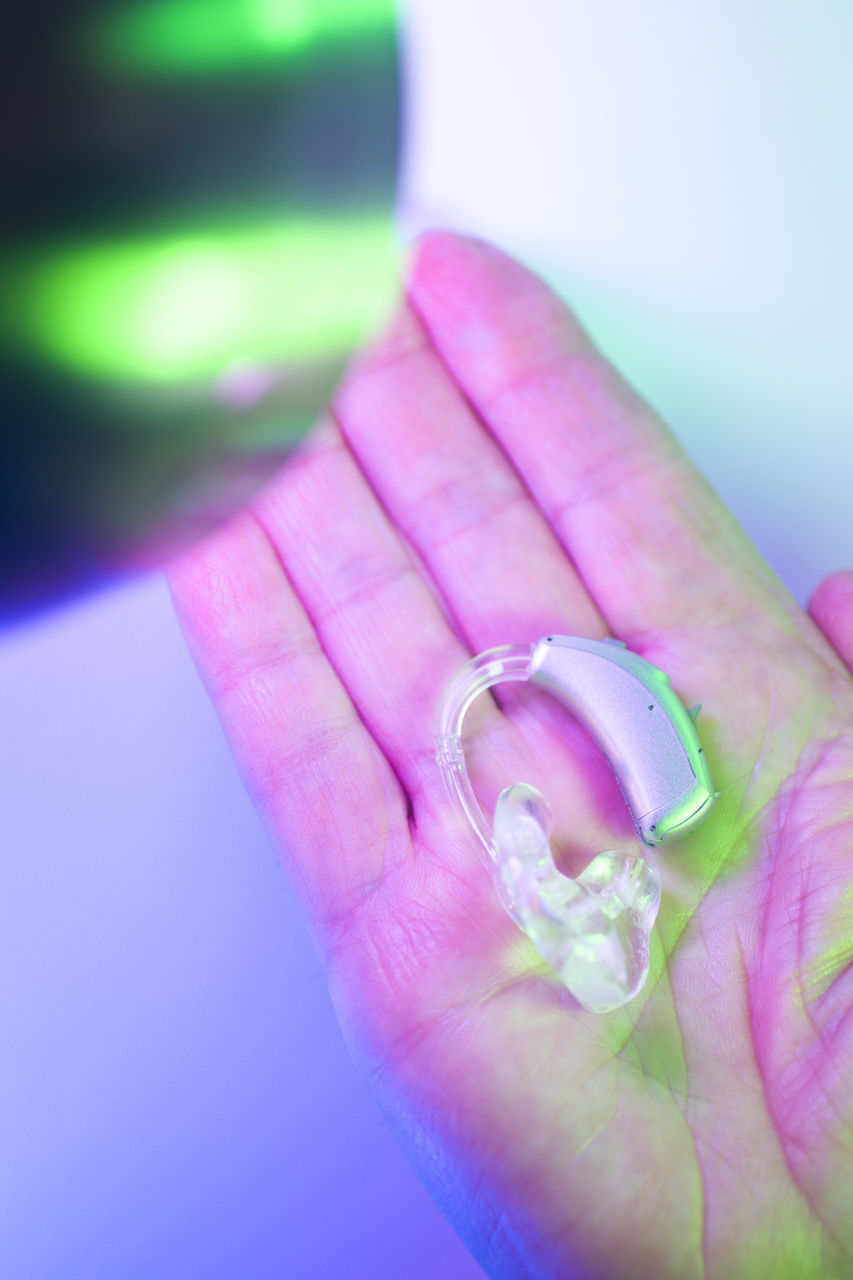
x,y
593,930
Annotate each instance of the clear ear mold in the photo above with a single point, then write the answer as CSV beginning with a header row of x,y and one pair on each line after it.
x,y
593,930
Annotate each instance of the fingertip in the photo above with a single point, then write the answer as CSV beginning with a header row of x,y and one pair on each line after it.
x,y
433,251
444,274
833,593
831,607
490,316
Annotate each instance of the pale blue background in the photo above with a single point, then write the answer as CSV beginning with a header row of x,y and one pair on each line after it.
x,y
175,1099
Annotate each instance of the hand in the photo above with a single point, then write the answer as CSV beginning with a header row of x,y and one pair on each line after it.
x,y
486,478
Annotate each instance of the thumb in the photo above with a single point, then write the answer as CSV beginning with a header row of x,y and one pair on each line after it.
x,y
831,607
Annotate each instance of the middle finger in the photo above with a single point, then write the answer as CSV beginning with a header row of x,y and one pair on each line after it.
x,y
451,490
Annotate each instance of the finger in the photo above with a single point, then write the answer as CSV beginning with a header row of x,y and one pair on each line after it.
x,y
375,616
654,545
321,782
451,490
831,607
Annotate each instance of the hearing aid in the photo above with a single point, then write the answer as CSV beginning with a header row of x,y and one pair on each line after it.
x,y
594,929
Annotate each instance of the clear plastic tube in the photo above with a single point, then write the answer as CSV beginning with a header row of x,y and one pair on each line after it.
x,y
508,662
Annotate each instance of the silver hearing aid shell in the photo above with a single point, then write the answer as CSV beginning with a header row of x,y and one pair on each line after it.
x,y
647,736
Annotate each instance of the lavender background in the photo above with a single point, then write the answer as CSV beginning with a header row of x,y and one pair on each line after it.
x,y
175,1099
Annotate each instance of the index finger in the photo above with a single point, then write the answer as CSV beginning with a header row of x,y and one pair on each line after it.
x,y
654,544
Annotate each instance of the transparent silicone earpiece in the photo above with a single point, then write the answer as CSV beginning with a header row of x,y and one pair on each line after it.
x,y
593,930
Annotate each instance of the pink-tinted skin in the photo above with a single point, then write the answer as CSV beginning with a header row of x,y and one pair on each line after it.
x,y
486,477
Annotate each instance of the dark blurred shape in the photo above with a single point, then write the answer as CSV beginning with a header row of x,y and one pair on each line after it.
x,y
195,229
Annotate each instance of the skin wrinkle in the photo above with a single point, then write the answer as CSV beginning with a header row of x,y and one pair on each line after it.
x,y
634,1039
430,581
801,921
773,1125
787,1139
831,1033
762,747
294,765
392,860
495,509
335,428
812,1099
481,414
365,583
579,399
258,521
536,374
811,1004
533,1248
676,459
368,590
272,658
601,482
714,877
366,586
703,1216
224,687
505,467
820,1003
682,1100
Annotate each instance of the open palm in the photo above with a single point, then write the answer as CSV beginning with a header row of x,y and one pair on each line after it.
x,y
484,478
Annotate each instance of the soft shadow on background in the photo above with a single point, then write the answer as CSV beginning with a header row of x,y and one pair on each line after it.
x,y
175,1099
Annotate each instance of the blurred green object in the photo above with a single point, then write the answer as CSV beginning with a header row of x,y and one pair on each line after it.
x,y
181,306
196,229
180,37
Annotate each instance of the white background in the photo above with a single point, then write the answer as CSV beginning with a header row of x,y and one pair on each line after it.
x,y
175,1100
